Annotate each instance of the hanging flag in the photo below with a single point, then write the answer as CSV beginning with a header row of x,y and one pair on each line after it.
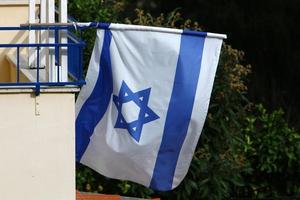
x,y
140,115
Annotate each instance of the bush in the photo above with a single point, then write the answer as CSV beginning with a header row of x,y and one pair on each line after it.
x,y
273,150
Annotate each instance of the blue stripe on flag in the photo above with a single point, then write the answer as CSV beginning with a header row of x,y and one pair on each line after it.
x,y
194,33
96,105
179,111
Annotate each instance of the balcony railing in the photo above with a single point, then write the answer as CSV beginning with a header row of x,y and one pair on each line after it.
x,y
74,47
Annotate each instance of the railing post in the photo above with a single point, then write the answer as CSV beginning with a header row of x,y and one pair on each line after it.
x,y
37,86
57,55
57,60
18,64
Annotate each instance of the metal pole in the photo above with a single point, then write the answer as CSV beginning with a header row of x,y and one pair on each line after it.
x,y
47,24
37,86
18,64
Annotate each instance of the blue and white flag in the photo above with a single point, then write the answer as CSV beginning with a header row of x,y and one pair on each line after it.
x,y
140,115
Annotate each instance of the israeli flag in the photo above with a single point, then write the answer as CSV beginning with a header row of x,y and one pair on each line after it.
x,y
140,115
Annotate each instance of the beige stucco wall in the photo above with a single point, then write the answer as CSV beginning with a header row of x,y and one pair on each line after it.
x,y
15,2
37,151
12,13
13,72
37,134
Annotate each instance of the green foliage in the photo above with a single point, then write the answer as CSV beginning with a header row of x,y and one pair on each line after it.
x,y
243,150
172,20
95,11
273,149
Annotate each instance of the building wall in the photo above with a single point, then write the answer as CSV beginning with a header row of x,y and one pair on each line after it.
x,y
37,133
37,146
12,13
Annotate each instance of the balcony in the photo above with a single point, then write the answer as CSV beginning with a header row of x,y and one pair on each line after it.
x,y
50,62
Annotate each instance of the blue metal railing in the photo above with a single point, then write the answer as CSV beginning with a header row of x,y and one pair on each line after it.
x,y
75,58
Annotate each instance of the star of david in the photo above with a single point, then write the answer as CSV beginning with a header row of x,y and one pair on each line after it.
x,y
145,115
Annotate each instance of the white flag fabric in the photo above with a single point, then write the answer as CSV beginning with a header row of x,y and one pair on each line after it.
x,y
140,115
